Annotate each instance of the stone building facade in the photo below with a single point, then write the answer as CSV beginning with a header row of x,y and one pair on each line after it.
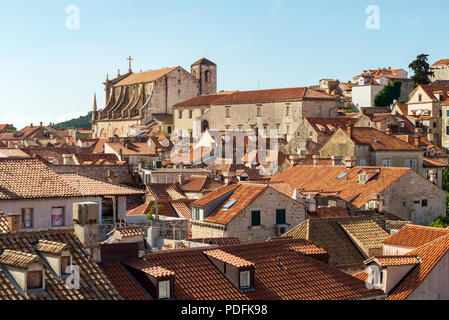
x,y
267,203
274,109
135,99
440,70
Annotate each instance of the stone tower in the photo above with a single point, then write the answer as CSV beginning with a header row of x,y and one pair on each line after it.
x,y
94,109
206,73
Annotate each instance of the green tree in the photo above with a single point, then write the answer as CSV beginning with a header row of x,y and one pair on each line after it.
x,y
388,94
421,68
83,122
150,214
440,222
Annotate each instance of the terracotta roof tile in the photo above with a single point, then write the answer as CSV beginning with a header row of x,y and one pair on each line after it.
x,y
128,232
369,233
88,186
229,258
414,236
243,195
166,191
215,195
18,259
93,283
12,153
53,247
150,269
329,234
329,212
4,227
144,77
203,100
441,62
378,140
201,184
325,179
124,283
280,274
30,179
400,260
218,241
328,126
273,95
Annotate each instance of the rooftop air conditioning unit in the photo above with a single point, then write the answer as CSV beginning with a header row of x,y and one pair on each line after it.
x,y
280,230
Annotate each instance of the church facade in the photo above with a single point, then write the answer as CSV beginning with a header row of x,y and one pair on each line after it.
x,y
145,99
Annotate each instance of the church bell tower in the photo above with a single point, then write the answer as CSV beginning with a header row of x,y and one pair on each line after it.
x,y
206,73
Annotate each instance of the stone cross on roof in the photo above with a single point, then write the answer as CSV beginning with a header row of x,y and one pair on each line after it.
x,y
129,60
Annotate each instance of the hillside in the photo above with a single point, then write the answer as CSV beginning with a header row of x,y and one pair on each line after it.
x,y
83,122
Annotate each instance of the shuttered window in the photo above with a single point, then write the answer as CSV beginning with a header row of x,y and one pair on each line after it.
x,y
255,218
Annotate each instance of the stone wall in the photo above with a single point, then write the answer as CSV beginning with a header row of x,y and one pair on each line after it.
x,y
404,199
440,73
97,172
240,226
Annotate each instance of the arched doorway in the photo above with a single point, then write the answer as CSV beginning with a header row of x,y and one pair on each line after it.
x,y
103,133
116,133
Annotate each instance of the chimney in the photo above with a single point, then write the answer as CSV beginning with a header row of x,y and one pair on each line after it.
x,y
433,176
85,219
381,204
349,129
416,140
66,158
336,161
310,203
14,222
31,125
388,131
40,123
181,178
228,176
315,160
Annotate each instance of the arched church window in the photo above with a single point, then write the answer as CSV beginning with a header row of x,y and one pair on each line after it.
x,y
207,76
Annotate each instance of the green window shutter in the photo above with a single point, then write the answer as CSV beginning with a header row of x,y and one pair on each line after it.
x,y
255,218
280,216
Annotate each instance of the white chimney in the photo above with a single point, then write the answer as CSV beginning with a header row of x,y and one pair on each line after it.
x,y
311,203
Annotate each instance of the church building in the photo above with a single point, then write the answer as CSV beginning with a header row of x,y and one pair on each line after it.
x,y
137,101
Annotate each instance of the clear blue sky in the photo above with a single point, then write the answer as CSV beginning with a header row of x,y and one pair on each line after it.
x,y
50,73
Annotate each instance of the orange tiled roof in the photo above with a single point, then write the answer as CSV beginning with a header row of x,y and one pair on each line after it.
x,y
144,77
244,195
88,186
229,258
401,260
430,255
378,140
431,163
414,236
170,208
124,283
201,184
150,269
203,100
12,153
128,232
4,227
328,126
325,179
440,62
431,89
273,95
224,241
30,179
166,191
329,212
51,246
215,195
280,274
308,248
18,259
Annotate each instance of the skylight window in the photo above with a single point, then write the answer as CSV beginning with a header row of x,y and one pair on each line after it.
x,y
342,175
229,204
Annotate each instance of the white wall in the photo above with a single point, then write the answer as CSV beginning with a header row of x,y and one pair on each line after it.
x,y
363,96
